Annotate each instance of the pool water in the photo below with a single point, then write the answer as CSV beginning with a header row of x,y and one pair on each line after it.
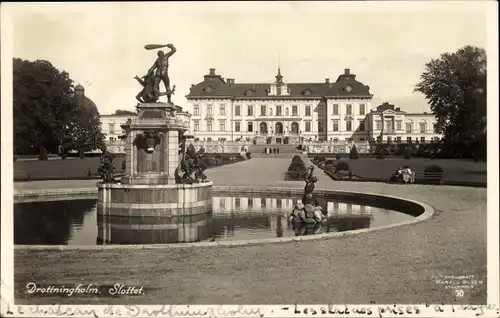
x,y
75,222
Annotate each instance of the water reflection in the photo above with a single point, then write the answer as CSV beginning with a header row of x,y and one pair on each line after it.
x,y
76,222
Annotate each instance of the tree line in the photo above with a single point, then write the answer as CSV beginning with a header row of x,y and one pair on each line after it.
x,y
47,114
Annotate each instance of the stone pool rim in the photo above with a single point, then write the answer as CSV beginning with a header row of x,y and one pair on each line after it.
x,y
82,193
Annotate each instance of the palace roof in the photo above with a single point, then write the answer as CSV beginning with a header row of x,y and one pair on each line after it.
x,y
214,86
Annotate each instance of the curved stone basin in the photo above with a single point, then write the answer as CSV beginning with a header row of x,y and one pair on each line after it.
x,y
241,215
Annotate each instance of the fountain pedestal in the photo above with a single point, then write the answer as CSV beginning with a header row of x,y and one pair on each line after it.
x,y
148,206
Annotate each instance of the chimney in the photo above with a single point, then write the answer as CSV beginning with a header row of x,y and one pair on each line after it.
x,y
230,80
327,80
398,109
347,71
212,71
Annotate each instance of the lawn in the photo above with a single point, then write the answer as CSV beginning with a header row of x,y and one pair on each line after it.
x,y
76,168
455,170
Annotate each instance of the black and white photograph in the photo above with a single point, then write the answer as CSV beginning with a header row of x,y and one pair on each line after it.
x,y
250,159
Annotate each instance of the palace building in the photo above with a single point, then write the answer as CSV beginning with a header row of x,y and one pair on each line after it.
x,y
280,112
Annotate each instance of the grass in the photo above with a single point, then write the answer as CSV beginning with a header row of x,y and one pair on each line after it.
x,y
455,170
74,168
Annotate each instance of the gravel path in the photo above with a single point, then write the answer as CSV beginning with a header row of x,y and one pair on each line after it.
x,y
388,266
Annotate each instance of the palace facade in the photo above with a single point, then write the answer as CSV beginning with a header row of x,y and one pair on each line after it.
x,y
279,112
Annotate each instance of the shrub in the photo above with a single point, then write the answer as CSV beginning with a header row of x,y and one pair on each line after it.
x,y
342,166
407,153
248,155
296,170
434,169
123,165
43,154
354,153
299,147
380,155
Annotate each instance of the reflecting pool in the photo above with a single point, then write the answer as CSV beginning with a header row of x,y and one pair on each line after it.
x,y
76,222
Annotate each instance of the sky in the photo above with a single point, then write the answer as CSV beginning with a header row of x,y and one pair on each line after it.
x,y
101,45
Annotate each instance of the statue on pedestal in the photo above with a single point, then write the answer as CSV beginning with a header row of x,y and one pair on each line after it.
x,y
106,168
308,211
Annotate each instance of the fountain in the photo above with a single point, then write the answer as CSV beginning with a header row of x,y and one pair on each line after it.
x,y
163,182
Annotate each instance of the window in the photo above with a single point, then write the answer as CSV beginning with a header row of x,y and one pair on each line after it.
x,y
361,125
335,125
422,128
295,111
237,110
250,110
111,128
250,126
378,124
308,110
408,128
270,111
398,139
209,110
388,126
408,140
335,109
222,110
361,109
237,126
196,110
209,125
433,127
196,125
111,138
237,203
348,109
222,203
398,124
250,202
222,125
422,139
263,110
278,110
348,125
308,126
321,126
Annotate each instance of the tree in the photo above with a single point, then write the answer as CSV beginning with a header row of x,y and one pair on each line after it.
x,y
43,100
46,110
455,86
124,112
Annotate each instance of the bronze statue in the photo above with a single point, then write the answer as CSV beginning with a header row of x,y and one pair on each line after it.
x,y
308,211
160,68
192,166
106,168
150,91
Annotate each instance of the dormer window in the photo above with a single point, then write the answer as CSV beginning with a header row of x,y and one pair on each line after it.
x,y
249,92
307,92
208,89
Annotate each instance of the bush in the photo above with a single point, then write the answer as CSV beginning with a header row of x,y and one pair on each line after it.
x,y
124,165
43,154
380,155
354,153
342,166
408,153
296,170
248,155
434,169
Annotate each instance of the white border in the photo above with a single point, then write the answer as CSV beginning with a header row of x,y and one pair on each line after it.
x,y
266,311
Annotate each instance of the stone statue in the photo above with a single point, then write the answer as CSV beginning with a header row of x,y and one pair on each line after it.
x,y
308,211
106,168
160,68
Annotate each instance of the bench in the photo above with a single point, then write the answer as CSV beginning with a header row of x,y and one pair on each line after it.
x,y
434,177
